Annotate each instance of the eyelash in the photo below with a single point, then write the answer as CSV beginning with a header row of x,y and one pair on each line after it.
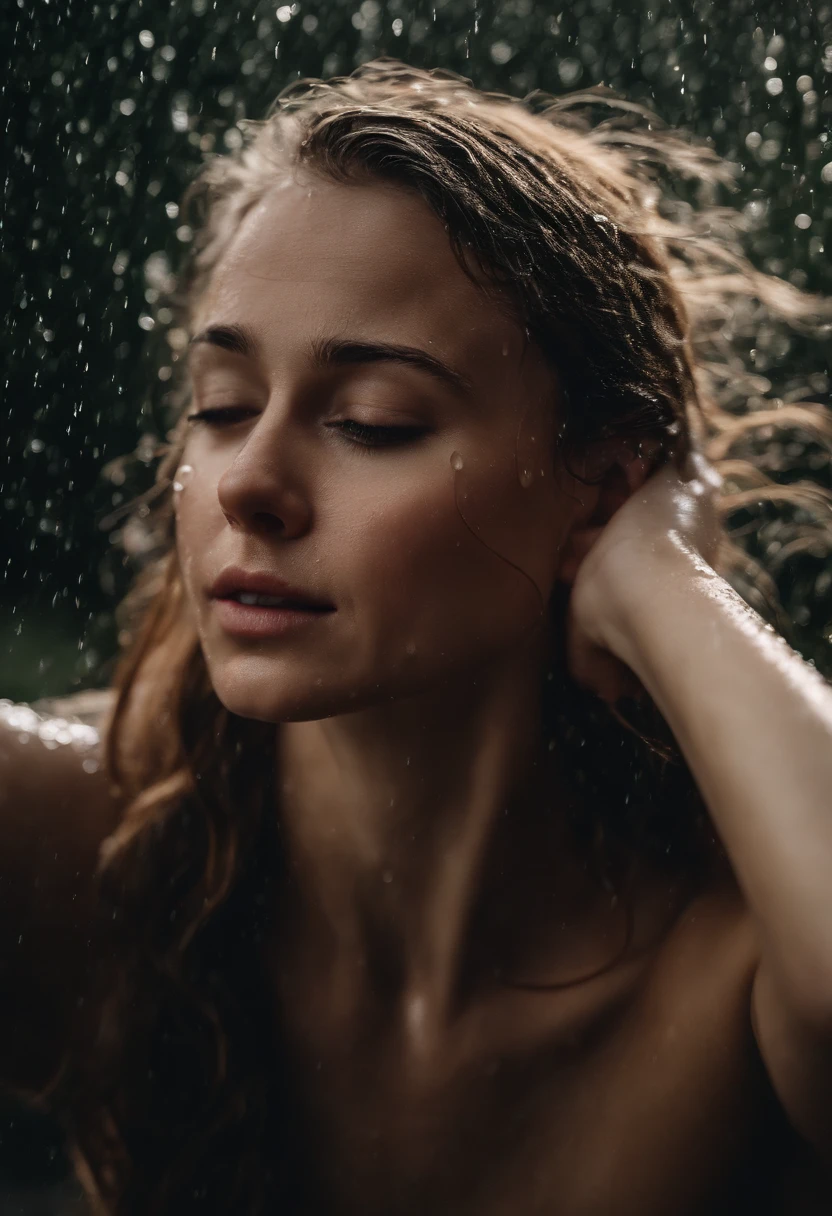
x,y
359,433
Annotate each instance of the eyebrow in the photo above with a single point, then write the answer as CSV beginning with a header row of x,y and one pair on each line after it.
x,y
340,352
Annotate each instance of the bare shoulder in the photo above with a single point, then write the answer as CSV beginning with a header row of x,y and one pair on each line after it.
x,y
53,793
699,994
55,809
701,972
714,936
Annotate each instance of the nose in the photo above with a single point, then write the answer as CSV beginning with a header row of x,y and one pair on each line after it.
x,y
261,490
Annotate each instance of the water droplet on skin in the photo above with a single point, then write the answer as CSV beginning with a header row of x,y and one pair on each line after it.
x,y
53,732
387,876
416,1012
181,477
456,461
526,477
410,648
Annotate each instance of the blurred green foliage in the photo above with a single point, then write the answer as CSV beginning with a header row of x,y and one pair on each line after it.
x,y
111,108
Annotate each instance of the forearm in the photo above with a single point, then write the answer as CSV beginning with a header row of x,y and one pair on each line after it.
x,y
754,722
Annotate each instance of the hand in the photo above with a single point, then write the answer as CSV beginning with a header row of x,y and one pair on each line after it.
x,y
665,517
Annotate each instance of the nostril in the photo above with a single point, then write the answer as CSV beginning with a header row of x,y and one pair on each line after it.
x,y
266,522
258,521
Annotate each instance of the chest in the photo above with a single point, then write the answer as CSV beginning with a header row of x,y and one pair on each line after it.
x,y
640,1092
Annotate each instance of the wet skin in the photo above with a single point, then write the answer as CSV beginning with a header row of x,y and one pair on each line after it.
x,y
378,528
431,871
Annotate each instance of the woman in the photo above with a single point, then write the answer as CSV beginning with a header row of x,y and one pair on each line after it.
x,y
380,903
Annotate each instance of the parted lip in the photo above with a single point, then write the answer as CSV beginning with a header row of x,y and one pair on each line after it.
x,y
233,580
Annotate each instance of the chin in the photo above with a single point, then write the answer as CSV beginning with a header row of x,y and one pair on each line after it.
x,y
268,704
264,691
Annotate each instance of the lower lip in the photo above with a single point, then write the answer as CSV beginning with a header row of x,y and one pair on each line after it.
x,y
255,621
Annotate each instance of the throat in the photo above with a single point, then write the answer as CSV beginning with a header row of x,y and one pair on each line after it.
x,y
404,897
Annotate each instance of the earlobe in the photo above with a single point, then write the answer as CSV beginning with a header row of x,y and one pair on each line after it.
x,y
636,469
618,484
624,472
624,466
575,548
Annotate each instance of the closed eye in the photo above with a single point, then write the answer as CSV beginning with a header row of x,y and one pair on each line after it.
x,y
365,435
360,433
222,415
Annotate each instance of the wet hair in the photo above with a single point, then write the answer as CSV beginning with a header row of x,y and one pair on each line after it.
x,y
605,235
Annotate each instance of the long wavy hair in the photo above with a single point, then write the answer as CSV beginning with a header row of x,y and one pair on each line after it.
x,y
606,234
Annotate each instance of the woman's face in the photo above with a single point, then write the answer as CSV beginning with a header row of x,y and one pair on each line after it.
x,y
434,540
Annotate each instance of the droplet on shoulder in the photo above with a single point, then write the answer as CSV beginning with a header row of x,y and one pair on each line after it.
x,y
456,461
525,477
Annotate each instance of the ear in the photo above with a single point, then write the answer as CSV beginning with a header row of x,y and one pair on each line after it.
x,y
617,471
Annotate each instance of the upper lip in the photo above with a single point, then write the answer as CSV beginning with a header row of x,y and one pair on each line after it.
x,y
255,582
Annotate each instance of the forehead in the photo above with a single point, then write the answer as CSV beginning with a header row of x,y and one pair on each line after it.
x,y
316,258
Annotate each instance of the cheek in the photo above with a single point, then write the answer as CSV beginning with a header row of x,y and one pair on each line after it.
x,y
469,549
198,520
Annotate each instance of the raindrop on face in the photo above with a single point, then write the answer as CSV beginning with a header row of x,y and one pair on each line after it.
x,y
181,477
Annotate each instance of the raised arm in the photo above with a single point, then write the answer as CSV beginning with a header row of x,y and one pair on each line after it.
x,y
754,722
55,809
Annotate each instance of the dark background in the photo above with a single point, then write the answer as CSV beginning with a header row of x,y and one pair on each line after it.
x,y
109,110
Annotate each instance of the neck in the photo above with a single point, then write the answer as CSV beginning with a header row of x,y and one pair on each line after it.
x,y
390,816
